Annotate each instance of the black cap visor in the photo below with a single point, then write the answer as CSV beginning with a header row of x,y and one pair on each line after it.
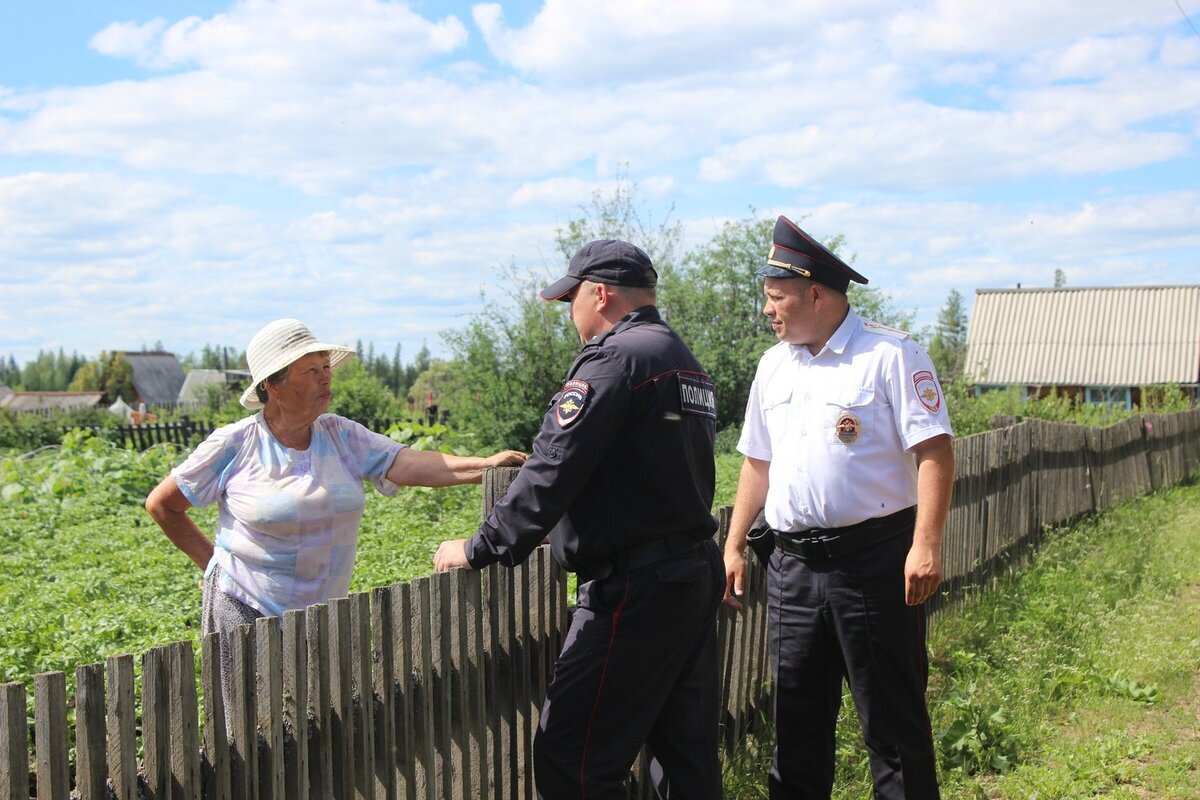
x,y
560,288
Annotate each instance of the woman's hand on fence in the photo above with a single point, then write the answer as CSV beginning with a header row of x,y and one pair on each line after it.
x,y
507,458
451,554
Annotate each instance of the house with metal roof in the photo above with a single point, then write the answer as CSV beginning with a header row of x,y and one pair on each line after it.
x,y
1101,345
157,376
197,382
47,401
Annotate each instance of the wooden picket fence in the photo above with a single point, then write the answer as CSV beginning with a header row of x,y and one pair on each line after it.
x,y
185,432
1013,483
432,689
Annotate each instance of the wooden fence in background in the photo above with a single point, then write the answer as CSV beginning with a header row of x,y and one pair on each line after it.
x,y
185,432
432,689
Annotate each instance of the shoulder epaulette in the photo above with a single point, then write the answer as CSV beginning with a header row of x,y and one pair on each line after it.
x,y
883,330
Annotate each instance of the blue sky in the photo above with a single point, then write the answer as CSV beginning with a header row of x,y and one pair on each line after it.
x,y
186,171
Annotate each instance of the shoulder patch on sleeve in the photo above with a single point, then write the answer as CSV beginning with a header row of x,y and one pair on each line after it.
x,y
883,330
928,391
696,394
571,402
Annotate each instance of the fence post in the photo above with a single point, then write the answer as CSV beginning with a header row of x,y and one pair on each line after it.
x,y
156,758
215,767
320,736
90,767
14,742
269,723
50,734
121,718
295,707
185,722
495,484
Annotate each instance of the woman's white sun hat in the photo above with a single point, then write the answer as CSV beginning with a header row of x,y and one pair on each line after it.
x,y
279,344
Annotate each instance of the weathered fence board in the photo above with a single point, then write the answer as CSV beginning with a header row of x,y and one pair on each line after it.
x,y
91,771
14,742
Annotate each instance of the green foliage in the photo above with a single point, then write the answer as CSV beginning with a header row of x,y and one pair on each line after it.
x,y
360,396
714,301
215,357
948,347
446,384
71,471
391,371
979,737
117,378
972,414
1071,678
420,436
512,359
21,432
49,372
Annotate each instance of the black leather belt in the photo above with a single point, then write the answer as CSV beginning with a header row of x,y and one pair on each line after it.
x,y
638,557
823,544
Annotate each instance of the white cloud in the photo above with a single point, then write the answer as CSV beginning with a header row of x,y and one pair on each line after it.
x,y
1017,26
358,164
1092,57
131,40
632,41
276,40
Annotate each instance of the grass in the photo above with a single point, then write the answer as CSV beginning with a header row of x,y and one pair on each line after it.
x,y
1078,677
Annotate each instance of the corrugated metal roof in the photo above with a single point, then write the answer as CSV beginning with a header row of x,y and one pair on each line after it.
x,y
1105,336
157,376
197,379
42,401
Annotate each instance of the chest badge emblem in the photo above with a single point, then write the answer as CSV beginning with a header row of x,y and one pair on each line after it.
x,y
848,428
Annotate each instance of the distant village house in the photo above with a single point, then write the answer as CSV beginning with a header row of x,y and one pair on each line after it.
x,y
1098,345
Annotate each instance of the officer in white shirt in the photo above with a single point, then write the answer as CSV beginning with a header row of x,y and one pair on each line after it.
x,y
848,453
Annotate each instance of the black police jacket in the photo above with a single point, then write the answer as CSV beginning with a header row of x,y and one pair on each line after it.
x,y
624,456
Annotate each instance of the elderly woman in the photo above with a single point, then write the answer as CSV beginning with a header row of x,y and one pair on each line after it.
x,y
289,484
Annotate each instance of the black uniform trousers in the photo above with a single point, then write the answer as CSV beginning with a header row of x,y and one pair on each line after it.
x,y
846,617
639,665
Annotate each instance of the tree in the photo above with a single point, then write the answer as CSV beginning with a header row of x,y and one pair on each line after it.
x,y
514,355
512,358
447,383
117,380
949,346
10,373
359,395
714,302
1060,279
619,216
87,378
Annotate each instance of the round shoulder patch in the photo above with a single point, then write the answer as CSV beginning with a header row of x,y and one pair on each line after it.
x,y
571,402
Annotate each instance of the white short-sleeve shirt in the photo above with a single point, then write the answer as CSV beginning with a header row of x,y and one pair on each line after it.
x,y
838,427
288,529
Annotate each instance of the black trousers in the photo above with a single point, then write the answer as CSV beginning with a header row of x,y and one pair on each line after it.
x,y
846,617
639,665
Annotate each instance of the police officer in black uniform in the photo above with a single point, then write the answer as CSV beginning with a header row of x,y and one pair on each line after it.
x,y
622,479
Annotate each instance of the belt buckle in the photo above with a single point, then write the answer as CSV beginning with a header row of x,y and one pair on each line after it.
x,y
824,541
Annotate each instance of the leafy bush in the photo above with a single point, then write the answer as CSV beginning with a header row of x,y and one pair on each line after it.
x,y
81,464
980,737
22,432
973,414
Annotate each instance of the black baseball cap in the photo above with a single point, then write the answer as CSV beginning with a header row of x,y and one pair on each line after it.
x,y
608,261
795,253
